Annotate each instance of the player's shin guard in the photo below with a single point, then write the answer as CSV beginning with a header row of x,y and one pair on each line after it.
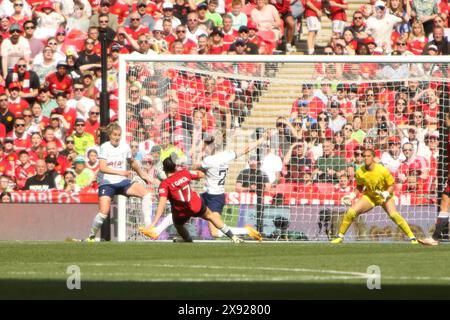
x,y
97,223
401,222
147,208
349,216
167,222
441,225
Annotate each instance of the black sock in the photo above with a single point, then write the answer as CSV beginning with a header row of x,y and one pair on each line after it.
x,y
441,228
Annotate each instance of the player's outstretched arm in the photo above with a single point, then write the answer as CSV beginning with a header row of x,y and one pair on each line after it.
x,y
253,145
103,167
159,210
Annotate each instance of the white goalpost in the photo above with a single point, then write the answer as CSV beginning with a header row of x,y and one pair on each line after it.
x,y
323,110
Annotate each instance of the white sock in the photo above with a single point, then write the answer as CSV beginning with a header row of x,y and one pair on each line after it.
x,y
167,222
147,208
310,51
97,223
236,232
443,215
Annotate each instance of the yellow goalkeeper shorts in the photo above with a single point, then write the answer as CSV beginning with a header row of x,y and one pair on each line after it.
x,y
374,200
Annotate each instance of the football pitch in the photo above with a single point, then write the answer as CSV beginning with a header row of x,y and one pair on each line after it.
x,y
221,270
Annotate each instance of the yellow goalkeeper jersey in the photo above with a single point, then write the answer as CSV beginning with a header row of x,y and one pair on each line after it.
x,y
378,179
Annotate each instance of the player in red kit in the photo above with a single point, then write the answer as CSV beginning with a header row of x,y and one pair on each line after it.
x,y
185,202
442,219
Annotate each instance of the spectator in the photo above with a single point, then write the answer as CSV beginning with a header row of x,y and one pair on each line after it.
x,y
5,197
92,160
272,165
36,150
92,124
402,10
68,183
247,47
63,162
48,21
5,184
59,82
47,65
440,21
358,133
412,162
79,102
84,175
400,115
336,120
167,9
167,148
393,157
425,11
105,9
14,48
35,44
88,59
343,185
60,126
24,169
193,29
267,18
15,103
296,162
313,14
6,117
439,41
69,152
381,25
82,139
78,19
212,15
21,139
367,120
252,179
46,105
52,172
238,18
417,39
284,10
147,20
329,165
53,44
358,27
202,18
41,181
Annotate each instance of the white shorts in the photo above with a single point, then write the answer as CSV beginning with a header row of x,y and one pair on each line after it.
x,y
338,26
313,24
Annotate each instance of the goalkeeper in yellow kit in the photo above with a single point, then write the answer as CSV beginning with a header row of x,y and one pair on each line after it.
x,y
376,184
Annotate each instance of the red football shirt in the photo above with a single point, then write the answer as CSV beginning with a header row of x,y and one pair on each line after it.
x,y
183,200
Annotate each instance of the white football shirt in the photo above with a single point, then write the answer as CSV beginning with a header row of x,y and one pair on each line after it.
x,y
216,168
116,158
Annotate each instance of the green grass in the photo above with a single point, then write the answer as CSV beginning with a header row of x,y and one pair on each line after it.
x,y
222,270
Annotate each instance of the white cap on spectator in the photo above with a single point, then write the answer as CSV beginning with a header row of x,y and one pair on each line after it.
x,y
380,3
433,47
167,5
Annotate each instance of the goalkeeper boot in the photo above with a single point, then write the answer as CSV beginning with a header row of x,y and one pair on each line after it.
x,y
337,240
236,239
149,232
90,239
413,241
252,232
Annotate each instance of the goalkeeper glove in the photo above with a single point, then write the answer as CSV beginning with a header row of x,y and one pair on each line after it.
x,y
384,194
347,199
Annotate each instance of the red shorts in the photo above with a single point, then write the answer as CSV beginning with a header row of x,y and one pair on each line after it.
x,y
179,218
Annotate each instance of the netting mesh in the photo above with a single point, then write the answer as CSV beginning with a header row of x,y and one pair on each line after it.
x,y
323,116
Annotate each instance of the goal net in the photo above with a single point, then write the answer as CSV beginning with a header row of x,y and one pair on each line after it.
x,y
323,111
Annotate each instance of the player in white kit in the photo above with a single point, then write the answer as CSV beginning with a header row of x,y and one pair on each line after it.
x,y
216,165
113,178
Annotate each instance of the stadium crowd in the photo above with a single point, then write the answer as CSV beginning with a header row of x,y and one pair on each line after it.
x,y
51,78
